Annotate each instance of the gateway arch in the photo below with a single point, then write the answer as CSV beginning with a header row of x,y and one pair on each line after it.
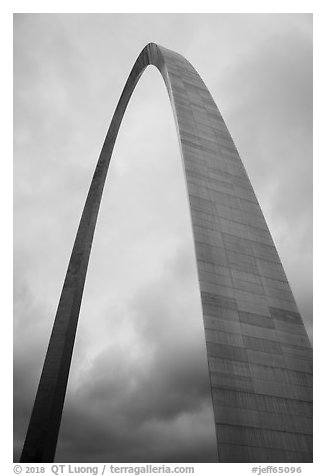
x,y
259,355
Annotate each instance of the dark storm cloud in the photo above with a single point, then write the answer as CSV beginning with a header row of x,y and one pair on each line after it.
x,y
128,406
116,439
149,402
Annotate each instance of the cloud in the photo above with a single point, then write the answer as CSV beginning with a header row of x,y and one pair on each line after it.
x,y
152,377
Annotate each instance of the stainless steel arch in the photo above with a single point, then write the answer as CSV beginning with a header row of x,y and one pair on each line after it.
x,y
259,355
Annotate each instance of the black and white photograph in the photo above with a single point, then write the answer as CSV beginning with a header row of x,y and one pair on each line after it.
x,y
162,272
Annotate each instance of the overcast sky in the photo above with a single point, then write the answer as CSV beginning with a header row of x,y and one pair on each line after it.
x,y
138,387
